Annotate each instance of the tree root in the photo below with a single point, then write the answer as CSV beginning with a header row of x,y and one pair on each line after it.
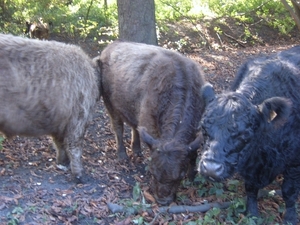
x,y
115,208
236,40
176,209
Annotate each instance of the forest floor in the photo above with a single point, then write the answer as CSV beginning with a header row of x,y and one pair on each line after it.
x,y
34,191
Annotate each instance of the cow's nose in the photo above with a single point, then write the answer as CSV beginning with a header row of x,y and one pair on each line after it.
x,y
211,169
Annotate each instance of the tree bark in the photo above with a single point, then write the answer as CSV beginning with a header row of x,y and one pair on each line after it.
x,y
2,8
293,12
296,5
137,21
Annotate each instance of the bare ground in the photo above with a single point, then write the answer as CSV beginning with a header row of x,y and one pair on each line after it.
x,y
34,191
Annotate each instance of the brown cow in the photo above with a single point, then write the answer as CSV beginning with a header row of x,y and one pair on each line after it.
x,y
157,92
39,30
47,88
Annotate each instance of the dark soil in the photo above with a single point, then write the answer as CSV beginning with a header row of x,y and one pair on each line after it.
x,y
34,191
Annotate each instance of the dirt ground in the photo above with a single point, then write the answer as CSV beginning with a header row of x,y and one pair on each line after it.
x,y
34,191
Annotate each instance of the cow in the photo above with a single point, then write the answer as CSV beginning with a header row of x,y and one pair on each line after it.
x,y
48,88
254,128
38,30
157,92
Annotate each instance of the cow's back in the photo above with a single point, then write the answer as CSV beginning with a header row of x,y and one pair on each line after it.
x,y
268,76
139,78
42,84
275,75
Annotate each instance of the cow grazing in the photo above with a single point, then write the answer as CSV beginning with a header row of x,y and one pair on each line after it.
x,y
157,92
254,128
38,30
47,88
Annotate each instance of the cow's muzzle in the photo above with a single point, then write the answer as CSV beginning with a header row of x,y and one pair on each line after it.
x,y
211,170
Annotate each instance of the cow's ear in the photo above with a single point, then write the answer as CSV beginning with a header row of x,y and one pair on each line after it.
x,y
276,110
207,93
193,146
146,137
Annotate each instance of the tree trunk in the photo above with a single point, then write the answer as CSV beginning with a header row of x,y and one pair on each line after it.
x,y
2,8
293,12
296,5
137,21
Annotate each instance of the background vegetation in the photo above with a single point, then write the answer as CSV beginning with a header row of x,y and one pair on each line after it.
x,y
95,18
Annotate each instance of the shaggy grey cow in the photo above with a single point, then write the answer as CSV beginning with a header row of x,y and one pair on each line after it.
x,y
254,128
47,88
157,92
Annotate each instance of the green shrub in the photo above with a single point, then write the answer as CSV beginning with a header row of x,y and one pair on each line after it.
x,y
79,17
1,141
273,12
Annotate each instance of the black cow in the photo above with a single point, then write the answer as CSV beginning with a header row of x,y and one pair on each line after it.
x,y
254,129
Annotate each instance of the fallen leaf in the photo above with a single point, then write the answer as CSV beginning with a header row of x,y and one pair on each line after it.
x,y
34,174
127,221
148,196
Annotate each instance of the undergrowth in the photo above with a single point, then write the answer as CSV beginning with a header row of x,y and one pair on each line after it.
x,y
228,191
95,19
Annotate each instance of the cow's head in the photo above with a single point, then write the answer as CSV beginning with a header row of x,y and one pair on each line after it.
x,y
168,166
230,123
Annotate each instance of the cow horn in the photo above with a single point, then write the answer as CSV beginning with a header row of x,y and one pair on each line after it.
x,y
207,93
195,145
146,137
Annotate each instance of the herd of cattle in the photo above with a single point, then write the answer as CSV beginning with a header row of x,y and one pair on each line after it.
x,y
51,88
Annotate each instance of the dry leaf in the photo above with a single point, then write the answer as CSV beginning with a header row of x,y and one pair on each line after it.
x,y
149,197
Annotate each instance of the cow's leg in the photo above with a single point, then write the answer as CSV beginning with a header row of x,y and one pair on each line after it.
x,y
251,207
72,143
74,150
62,157
69,150
290,190
118,127
135,142
192,170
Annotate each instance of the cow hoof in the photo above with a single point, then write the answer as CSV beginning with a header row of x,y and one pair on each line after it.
x,y
290,216
78,180
138,154
62,167
63,161
192,175
123,156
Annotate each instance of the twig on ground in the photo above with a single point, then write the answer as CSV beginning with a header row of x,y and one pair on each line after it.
x,y
197,208
115,208
221,42
239,42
